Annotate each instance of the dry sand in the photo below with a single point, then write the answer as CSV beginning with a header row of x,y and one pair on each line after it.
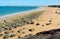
x,y
48,20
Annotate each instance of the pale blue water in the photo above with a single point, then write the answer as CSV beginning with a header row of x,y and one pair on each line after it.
x,y
5,10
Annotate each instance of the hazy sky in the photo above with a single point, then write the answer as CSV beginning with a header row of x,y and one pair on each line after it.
x,y
28,2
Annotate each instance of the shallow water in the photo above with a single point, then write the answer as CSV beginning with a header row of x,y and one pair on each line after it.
x,y
5,10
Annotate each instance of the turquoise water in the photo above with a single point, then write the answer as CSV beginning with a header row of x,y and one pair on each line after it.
x,y
5,10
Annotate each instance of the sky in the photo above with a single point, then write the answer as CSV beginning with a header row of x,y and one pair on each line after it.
x,y
29,2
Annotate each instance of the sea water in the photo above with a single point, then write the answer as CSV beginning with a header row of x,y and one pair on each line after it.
x,y
5,10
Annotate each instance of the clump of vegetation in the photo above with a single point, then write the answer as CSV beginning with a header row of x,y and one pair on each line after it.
x,y
31,30
6,36
20,31
12,35
1,35
19,21
54,6
37,24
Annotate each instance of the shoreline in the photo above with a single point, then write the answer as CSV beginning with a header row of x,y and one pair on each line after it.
x,y
24,12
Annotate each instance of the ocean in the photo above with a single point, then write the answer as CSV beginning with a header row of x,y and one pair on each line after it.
x,y
5,10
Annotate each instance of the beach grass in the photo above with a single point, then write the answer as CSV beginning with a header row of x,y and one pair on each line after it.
x,y
18,20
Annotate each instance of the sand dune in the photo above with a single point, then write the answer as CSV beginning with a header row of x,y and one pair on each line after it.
x,y
30,23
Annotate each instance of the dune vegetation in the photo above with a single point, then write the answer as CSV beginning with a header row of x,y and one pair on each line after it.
x,y
18,22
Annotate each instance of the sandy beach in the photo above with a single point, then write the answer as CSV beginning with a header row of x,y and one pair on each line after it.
x,y
29,22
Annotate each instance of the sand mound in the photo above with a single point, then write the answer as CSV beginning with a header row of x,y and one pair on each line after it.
x,y
30,23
